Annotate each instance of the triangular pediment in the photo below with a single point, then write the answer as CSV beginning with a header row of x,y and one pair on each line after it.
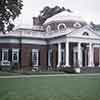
x,y
84,32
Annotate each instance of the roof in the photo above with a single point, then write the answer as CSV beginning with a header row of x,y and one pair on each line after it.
x,y
65,15
97,27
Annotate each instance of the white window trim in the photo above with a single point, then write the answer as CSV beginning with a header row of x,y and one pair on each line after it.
x,y
49,52
58,27
5,62
37,52
13,51
3,50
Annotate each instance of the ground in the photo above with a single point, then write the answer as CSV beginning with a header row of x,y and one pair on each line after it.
x,y
57,87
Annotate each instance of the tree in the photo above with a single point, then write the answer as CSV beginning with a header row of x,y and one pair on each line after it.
x,y
9,10
49,12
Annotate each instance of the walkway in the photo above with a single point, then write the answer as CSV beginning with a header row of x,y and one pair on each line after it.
x,y
30,76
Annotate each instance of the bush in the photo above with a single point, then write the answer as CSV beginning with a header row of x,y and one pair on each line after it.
x,y
67,69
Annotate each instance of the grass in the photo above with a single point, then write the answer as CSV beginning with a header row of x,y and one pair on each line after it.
x,y
5,73
77,87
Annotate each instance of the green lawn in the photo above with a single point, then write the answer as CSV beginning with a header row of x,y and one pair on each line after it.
x,y
51,88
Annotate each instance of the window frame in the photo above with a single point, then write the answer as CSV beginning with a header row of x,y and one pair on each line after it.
x,y
5,50
37,57
59,25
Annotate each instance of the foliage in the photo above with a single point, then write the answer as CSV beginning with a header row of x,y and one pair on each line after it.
x,y
67,70
9,10
49,12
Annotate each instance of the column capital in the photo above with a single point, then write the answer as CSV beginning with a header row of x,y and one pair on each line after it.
x,y
90,43
79,42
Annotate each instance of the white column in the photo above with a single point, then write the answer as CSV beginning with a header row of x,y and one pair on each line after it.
x,y
67,54
79,55
59,55
90,56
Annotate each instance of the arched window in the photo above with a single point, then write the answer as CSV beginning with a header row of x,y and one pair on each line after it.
x,y
77,25
48,28
85,33
61,27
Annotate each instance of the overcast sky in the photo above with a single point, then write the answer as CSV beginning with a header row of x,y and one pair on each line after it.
x,y
88,9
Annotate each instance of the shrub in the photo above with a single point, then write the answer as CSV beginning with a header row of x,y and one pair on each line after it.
x,y
67,69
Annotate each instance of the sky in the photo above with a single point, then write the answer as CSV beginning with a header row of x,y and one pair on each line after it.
x,y
88,9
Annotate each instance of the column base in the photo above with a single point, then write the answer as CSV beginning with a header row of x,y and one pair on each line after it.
x,y
67,66
77,70
90,65
58,66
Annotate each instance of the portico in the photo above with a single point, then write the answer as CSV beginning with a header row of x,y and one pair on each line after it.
x,y
82,54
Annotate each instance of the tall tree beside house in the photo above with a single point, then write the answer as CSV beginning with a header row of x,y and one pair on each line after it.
x,y
9,10
49,12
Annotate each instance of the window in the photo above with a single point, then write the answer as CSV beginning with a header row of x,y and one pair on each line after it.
x,y
85,33
48,28
4,54
15,55
35,57
61,27
77,25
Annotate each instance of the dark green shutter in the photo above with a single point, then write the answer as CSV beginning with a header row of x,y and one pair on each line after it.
x,y
10,55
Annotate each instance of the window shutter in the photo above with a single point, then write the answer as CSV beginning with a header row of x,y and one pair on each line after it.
x,y
39,58
19,55
10,55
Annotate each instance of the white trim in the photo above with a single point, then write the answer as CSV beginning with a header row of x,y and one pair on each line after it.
x,y
61,24
96,46
23,41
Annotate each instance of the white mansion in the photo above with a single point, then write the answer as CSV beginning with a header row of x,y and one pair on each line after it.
x,y
64,40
